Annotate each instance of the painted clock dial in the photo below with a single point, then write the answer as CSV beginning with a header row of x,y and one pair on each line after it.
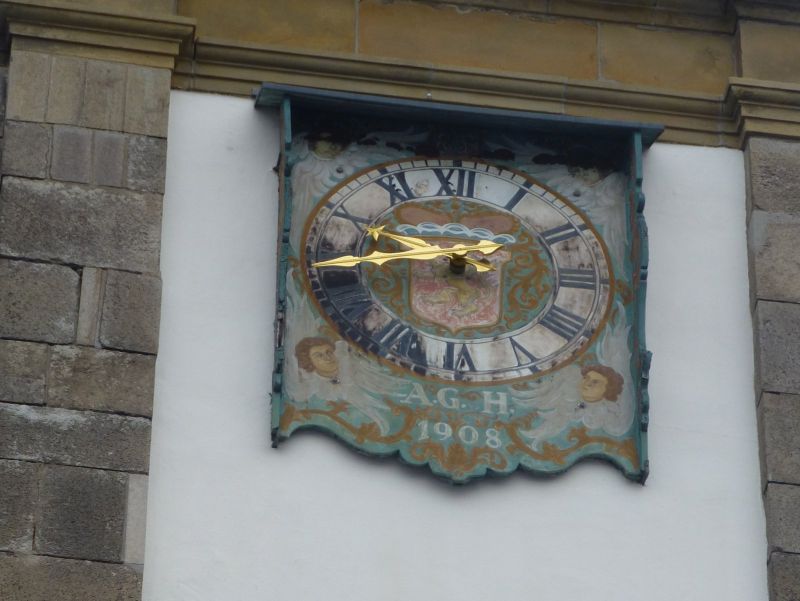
x,y
530,358
540,307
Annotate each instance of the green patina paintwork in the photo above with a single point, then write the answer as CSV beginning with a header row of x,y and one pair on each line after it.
x,y
543,422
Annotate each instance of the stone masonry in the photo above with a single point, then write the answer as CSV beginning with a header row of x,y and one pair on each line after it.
x,y
83,171
774,231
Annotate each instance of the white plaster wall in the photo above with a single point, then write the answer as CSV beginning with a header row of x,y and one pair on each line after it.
x,y
229,518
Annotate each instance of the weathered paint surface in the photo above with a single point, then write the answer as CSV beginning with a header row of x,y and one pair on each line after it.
x,y
536,363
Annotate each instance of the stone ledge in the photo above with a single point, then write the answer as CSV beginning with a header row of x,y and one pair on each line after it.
x,y
239,68
221,67
761,107
749,106
32,578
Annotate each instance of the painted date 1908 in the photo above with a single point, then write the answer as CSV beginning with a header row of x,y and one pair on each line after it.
x,y
467,434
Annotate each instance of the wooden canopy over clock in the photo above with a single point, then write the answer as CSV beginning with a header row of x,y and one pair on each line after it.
x,y
461,288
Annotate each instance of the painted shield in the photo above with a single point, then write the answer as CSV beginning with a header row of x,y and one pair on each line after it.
x,y
457,302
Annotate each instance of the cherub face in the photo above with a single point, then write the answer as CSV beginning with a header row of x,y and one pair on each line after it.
x,y
593,387
324,360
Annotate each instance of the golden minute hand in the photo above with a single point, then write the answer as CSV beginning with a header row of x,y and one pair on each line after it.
x,y
420,254
411,242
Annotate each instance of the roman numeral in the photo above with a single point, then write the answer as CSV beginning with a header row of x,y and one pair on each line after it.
x,y
401,340
396,185
563,232
518,195
523,355
464,185
351,300
562,322
577,278
342,212
445,188
392,333
458,359
323,254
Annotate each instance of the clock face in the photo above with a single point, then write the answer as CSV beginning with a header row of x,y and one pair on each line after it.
x,y
527,357
538,310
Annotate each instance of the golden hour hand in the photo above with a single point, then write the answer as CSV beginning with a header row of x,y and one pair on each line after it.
x,y
419,253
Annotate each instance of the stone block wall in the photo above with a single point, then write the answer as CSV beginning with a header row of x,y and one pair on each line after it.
x,y
80,225
774,234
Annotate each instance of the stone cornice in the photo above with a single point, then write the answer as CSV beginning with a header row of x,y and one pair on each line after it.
x,y
764,107
115,35
222,67
749,106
